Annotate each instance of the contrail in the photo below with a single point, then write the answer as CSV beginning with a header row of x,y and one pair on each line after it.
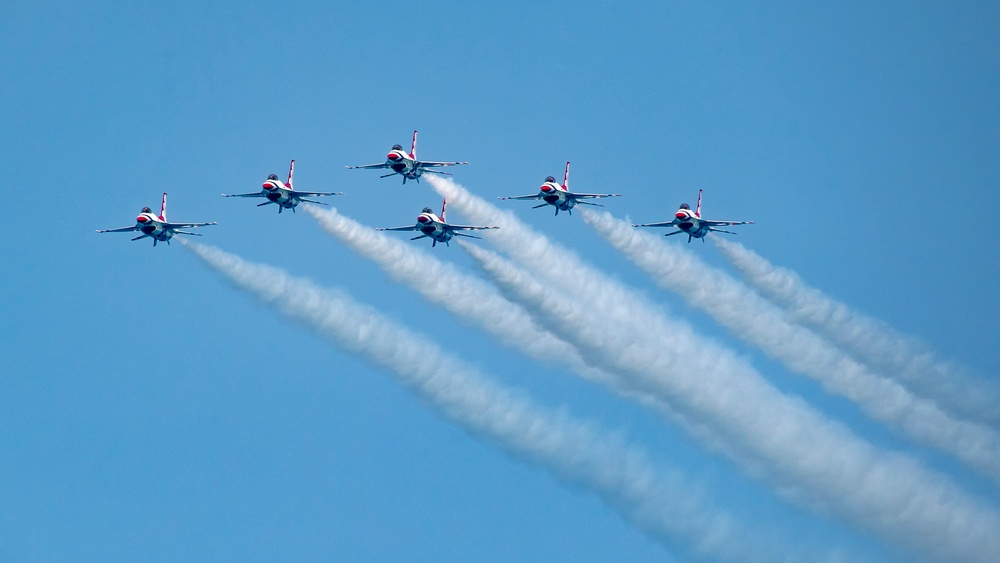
x,y
476,301
466,296
759,322
662,505
868,339
888,494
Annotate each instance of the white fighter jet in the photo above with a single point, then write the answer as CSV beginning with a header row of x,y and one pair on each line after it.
x,y
407,165
559,196
157,227
690,222
434,227
283,194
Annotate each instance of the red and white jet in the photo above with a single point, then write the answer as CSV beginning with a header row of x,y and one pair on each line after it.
x,y
283,194
407,165
157,227
434,227
559,196
690,222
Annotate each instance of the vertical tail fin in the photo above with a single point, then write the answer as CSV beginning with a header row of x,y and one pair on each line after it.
x,y
413,146
163,207
566,177
697,209
444,204
291,172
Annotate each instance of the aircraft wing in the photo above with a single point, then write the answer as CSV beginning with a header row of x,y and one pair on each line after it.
x,y
120,230
316,194
588,196
186,225
410,228
370,166
425,164
663,224
255,194
725,223
532,196
468,228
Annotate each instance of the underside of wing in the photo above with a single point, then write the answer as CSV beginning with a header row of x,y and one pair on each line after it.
x,y
119,230
369,166
187,225
426,164
532,196
316,194
409,228
589,196
725,223
255,194
663,224
469,228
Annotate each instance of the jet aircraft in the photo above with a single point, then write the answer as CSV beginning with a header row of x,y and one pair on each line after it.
x,y
407,165
283,195
157,227
691,223
434,227
559,196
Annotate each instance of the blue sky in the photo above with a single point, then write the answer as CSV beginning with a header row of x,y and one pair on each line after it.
x,y
152,411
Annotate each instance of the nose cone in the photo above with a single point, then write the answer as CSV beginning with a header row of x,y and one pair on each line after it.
x,y
681,215
268,186
141,219
392,156
423,219
546,188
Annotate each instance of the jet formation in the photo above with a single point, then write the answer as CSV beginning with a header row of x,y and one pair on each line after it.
x,y
429,225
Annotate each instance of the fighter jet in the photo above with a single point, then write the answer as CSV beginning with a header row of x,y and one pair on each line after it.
x,y
157,227
283,195
407,165
559,196
691,223
434,227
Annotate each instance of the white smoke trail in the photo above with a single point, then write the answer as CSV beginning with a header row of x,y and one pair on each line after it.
x,y
760,323
868,339
440,282
472,299
662,505
888,494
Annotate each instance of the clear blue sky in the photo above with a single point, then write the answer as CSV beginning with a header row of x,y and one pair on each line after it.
x,y
150,411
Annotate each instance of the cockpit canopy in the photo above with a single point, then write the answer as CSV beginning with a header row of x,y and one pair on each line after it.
x,y
146,210
685,206
272,177
397,147
427,210
550,179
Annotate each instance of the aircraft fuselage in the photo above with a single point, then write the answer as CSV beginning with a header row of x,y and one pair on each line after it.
x,y
692,227
554,194
276,191
151,226
434,229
